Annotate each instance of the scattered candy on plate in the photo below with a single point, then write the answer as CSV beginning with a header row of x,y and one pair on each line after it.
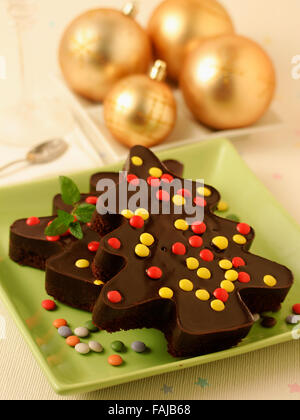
x,y
49,305
60,323
82,348
138,346
91,327
115,360
118,346
292,319
65,332
95,346
72,341
81,332
296,309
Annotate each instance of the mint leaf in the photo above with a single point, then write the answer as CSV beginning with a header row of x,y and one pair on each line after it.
x,y
69,191
57,227
65,217
75,229
84,212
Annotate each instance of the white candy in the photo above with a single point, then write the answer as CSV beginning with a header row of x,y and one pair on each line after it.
x,y
95,346
81,332
82,348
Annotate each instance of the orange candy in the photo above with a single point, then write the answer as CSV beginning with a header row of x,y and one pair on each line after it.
x,y
72,341
115,360
60,323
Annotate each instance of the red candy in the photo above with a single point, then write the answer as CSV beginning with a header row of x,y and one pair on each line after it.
x,y
238,262
91,200
196,241
162,195
137,222
49,305
178,248
154,273
114,243
153,181
167,178
243,228
114,296
296,309
32,221
67,233
200,202
53,238
133,179
199,228
93,246
221,294
244,277
184,193
206,255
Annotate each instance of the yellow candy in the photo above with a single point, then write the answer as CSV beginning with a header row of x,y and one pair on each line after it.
x,y
82,263
203,295
222,206
228,286
270,280
220,242
225,264
181,224
239,239
147,239
231,275
192,263
143,213
166,293
204,191
137,161
217,305
178,200
142,251
156,172
186,285
98,282
127,213
204,273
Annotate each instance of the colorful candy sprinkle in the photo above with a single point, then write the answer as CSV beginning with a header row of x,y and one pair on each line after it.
x,y
270,280
72,341
137,222
178,248
154,273
195,241
115,360
82,348
217,305
238,262
231,275
166,293
60,323
147,239
143,213
98,283
53,238
162,195
142,251
186,285
296,308
203,295
49,305
292,319
81,332
221,294
127,213
239,239
90,326
200,202
95,347
91,200
137,161
204,273
156,172
138,346
181,224
93,246
199,228
243,228
114,243
32,221
222,206
206,255
244,277
220,242
82,263
114,296
167,178
204,191
65,332
192,263
184,193
133,179
153,181
227,285
225,264
117,346
178,200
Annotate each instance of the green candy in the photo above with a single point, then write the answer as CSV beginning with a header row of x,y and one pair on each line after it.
x,y
91,327
118,346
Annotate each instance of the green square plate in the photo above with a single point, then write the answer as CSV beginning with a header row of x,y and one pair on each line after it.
x,y
22,289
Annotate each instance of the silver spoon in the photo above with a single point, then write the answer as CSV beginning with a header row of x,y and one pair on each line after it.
x,y
43,153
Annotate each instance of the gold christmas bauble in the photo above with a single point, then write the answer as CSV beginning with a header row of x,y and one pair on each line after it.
x,y
228,81
176,23
141,109
99,48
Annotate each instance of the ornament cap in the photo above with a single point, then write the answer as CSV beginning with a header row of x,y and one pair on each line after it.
x,y
159,71
130,9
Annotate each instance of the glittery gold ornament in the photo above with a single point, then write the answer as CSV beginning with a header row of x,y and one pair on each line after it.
x,y
100,47
228,81
141,109
176,23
